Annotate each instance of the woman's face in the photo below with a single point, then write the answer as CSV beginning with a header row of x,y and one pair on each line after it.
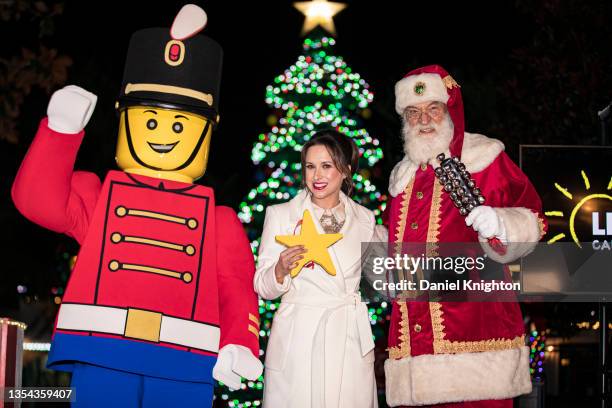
x,y
323,179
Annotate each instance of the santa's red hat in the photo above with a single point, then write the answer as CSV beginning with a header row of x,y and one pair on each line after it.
x,y
428,84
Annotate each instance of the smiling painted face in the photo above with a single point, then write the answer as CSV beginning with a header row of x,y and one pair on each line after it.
x,y
163,143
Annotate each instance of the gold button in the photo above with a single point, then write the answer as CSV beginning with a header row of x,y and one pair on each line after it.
x,y
116,237
113,266
419,194
189,250
121,211
192,223
423,167
414,225
187,277
417,328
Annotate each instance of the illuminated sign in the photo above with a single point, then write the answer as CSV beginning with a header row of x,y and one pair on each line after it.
x,y
587,204
575,184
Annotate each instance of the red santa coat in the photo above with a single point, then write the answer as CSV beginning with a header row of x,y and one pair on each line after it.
x,y
441,352
161,269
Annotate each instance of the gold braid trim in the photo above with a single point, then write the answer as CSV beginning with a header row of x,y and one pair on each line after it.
x,y
401,225
542,226
433,230
444,346
440,344
403,350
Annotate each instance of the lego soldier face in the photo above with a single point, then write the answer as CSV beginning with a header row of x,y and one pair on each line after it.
x,y
163,143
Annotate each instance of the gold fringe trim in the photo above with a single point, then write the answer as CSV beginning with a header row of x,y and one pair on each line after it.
x,y
401,226
403,350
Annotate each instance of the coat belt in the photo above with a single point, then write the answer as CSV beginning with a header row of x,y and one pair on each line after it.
x,y
332,304
139,324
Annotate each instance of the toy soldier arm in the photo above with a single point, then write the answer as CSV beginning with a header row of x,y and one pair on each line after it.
x,y
238,307
48,192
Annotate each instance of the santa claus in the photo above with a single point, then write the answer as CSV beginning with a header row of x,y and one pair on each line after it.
x,y
456,354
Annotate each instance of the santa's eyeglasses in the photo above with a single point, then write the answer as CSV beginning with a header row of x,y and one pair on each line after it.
x,y
434,110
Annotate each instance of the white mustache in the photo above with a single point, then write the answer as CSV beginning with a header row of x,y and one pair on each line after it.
x,y
423,147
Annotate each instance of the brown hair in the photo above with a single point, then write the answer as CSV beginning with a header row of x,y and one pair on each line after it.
x,y
343,151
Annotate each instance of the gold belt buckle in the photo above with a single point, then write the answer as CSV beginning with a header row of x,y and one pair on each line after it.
x,y
143,325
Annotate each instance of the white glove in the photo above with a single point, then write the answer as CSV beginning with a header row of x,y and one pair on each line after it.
x,y
70,108
236,361
485,221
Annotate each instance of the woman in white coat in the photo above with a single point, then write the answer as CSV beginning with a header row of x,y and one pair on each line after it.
x,y
320,352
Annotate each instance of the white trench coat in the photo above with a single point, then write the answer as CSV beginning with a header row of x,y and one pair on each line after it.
x,y
320,353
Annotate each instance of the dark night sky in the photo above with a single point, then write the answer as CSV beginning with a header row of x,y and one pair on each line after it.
x,y
261,39
381,40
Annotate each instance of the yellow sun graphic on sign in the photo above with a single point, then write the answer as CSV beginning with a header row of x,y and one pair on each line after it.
x,y
576,208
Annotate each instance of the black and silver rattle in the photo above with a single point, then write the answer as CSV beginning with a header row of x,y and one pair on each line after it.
x,y
459,184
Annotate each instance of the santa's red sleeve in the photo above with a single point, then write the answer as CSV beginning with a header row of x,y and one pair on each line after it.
x,y
519,206
48,191
238,306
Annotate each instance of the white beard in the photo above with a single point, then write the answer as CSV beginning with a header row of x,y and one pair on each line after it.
x,y
420,148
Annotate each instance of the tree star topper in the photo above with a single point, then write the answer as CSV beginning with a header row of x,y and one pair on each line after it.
x,y
315,244
319,12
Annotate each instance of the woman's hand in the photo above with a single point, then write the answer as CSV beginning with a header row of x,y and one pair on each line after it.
x,y
287,261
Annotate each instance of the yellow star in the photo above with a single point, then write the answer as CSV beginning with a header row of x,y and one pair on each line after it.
x,y
319,12
315,244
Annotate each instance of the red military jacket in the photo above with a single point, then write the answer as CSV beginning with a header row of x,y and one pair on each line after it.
x,y
160,266
460,351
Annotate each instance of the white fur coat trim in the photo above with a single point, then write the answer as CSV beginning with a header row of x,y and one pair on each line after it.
x,y
442,378
522,231
477,153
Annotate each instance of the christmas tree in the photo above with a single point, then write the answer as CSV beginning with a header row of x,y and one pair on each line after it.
x,y
319,91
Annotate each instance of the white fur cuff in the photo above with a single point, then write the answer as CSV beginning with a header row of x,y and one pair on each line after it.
x,y
522,233
442,378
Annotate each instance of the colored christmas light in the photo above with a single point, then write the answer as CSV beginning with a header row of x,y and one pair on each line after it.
x,y
537,348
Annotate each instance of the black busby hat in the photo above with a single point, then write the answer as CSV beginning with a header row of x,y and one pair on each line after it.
x,y
174,68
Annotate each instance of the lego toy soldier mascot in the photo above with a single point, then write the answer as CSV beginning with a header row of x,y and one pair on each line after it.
x,y
160,300
457,354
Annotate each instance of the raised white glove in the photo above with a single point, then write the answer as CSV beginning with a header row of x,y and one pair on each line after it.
x,y
485,221
70,108
236,361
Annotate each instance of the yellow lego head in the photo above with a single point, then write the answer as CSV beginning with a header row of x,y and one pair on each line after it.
x,y
163,143
169,99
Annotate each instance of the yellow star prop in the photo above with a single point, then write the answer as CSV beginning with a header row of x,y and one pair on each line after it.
x,y
315,244
319,12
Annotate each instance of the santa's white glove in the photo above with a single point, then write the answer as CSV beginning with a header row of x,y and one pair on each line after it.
x,y
236,361
485,221
70,108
